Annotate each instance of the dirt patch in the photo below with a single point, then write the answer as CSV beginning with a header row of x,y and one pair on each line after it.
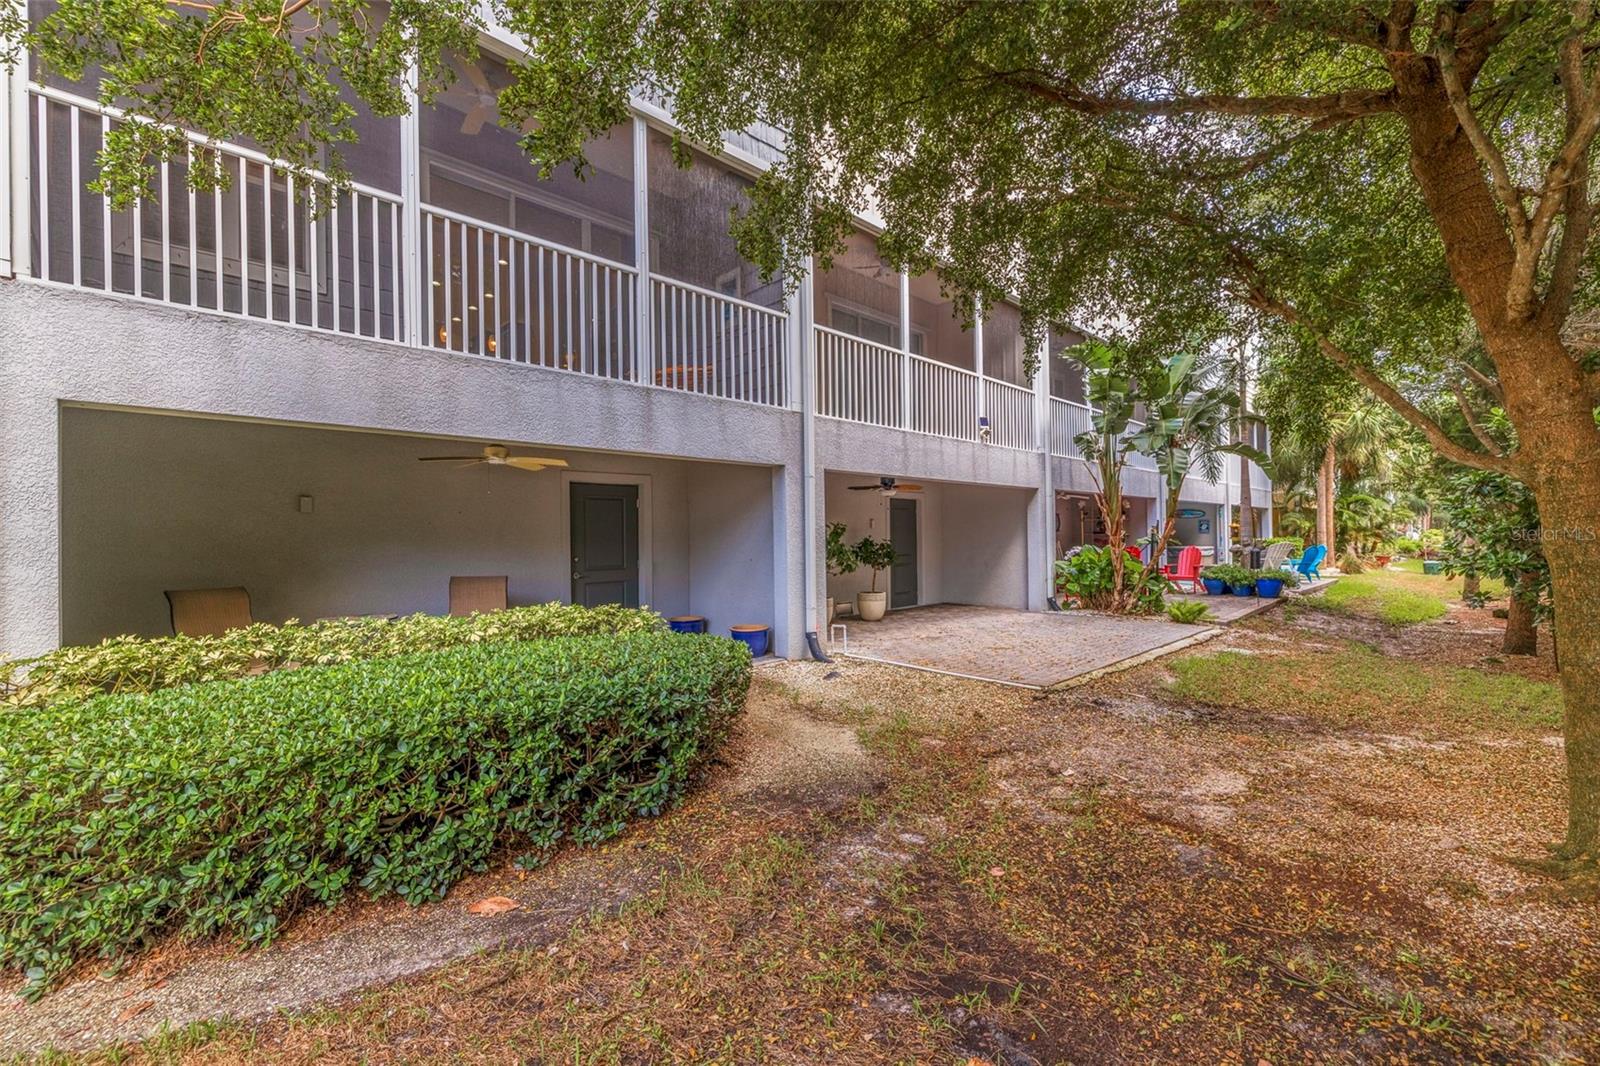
x,y
1100,875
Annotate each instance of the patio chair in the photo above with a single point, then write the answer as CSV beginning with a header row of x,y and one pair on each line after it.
x,y
208,612
1310,559
1276,555
1187,570
477,595
1134,551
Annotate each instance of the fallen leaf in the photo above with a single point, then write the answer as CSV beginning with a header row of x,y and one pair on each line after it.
x,y
997,871
133,1010
493,905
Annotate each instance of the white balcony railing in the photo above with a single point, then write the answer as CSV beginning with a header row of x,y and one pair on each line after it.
x,y
862,381
944,399
857,380
1010,411
492,291
257,246
1067,421
261,246
702,341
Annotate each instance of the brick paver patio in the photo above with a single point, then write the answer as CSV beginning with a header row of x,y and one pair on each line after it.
x,y
1031,649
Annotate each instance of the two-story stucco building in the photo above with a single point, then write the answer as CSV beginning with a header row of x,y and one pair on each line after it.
x,y
234,389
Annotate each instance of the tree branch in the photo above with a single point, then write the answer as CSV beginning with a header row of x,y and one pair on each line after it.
x,y
1490,445
1579,208
1259,298
1504,187
1583,122
1351,104
1484,382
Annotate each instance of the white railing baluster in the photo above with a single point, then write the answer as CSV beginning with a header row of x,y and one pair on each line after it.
x,y
105,215
77,202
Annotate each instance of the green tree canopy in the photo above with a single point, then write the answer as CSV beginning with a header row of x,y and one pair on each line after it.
x,y
1365,178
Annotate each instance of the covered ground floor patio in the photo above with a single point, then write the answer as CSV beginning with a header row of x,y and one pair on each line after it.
x,y
316,522
1029,649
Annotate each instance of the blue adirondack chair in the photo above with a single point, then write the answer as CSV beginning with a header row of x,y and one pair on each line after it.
x,y
1310,559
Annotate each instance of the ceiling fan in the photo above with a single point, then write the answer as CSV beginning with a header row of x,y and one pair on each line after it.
x,y
886,486
497,455
478,97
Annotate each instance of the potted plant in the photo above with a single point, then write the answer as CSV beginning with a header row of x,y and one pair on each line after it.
x,y
1271,583
1241,582
841,559
1215,579
875,555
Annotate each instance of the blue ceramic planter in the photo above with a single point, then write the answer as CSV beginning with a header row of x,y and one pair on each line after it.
x,y
1244,590
1214,585
1269,588
687,623
757,637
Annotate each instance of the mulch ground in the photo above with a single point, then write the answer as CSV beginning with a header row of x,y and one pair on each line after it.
x,y
1108,874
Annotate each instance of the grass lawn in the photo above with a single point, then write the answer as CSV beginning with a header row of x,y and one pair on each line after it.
x,y
1403,596
1284,845
1358,683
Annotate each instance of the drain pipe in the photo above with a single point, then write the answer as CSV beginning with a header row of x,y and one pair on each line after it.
x,y
799,303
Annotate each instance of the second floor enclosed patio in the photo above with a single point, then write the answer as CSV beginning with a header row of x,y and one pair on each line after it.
x,y
447,238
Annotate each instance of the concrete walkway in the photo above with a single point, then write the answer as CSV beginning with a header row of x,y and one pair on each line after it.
x,y
1029,649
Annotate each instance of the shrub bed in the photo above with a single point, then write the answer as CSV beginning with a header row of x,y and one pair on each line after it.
x,y
141,664
225,807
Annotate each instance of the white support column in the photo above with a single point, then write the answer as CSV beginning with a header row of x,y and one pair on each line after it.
x,y
411,216
16,240
977,364
801,304
905,351
798,339
1046,552
643,342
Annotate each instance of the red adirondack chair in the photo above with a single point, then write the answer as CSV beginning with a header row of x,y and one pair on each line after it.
x,y
1133,550
1187,572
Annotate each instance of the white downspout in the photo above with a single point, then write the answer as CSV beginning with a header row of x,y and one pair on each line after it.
x,y
800,304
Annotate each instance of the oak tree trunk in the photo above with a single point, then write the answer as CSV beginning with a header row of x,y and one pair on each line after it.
x,y
1547,399
1521,637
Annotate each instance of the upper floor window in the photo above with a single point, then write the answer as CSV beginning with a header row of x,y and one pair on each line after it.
x,y
474,166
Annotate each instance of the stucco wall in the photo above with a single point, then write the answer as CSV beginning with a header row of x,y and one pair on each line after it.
x,y
152,502
988,543
62,347
731,547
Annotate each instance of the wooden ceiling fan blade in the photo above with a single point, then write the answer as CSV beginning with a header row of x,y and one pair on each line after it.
x,y
475,120
531,462
907,488
864,488
450,459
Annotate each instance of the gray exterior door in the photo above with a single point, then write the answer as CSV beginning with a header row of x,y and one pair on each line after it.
x,y
903,535
605,544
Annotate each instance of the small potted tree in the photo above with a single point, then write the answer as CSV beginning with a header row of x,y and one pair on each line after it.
x,y
875,555
841,558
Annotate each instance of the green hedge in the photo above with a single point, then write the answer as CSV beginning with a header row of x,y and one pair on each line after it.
x,y
140,664
225,807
